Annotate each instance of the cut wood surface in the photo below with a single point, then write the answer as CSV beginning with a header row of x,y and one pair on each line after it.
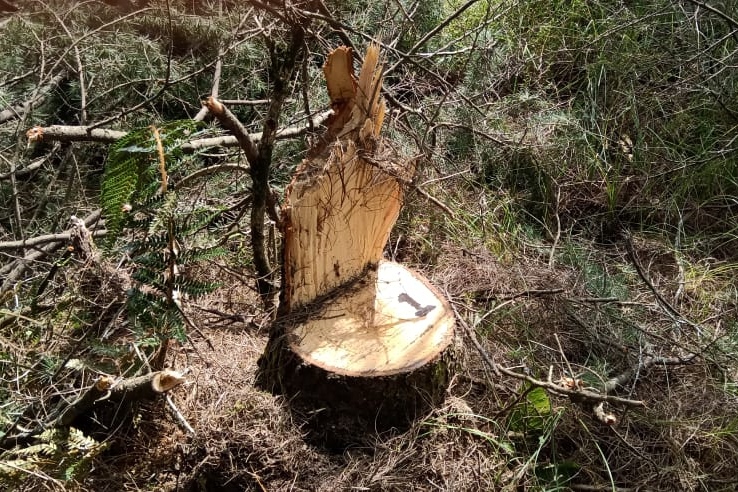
x,y
345,198
395,322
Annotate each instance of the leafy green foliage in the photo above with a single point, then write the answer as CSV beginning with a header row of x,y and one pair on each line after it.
x,y
132,169
533,413
64,454
132,196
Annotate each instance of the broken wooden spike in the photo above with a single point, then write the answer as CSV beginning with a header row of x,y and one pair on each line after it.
x,y
354,328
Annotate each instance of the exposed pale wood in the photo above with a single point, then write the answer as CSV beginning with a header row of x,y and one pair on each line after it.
x,y
366,341
337,223
345,198
126,390
395,322
104,390
64,133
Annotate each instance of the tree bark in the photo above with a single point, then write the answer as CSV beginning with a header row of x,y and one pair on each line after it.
x,y
105,389
282,66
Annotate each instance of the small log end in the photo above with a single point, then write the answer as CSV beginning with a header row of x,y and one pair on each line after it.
x,y
167,379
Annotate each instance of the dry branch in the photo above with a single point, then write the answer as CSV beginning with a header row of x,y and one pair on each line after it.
x,y
70,133
562,388
645,363
15,269
200,116
106,388
662,301
45,239
33,166
229,121
37,98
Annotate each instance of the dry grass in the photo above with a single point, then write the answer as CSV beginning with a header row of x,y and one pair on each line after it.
x,y
246,439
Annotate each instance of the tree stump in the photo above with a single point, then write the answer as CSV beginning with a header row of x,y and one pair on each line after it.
x,y
358,340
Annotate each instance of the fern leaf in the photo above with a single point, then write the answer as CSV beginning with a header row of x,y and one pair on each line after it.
x,y
132,167
194,288
197,255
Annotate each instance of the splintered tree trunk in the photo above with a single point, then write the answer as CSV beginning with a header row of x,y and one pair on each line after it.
x,y
357,336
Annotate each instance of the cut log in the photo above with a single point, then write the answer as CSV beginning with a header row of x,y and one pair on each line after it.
x,y
363,340
104,391
125,391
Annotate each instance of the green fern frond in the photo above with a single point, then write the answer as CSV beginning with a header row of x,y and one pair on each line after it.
x,y
148,244
132,167
164,214
119,183
195,288
41,449
197,255
64,453
156,259
78,442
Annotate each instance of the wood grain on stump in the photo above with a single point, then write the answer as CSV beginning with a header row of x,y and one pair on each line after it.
x,y
357,337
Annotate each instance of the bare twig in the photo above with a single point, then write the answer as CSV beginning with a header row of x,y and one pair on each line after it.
x,y
178,415
215,88
728,19
645,363
245,102
435,201
33,166
488,295
164,86
576,394
666,305
557,236
15,198
80,69
207,171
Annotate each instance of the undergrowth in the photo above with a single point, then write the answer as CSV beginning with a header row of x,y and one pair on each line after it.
x,y
584,154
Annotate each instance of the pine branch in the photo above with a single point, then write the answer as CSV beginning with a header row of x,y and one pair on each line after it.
x,y
37,98
15,269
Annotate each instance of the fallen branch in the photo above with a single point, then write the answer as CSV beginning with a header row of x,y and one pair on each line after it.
x,y
19,110
644,364
105,388
22,172
207,171
247,102
564,387
675,315
488,295
15,269
67,133
137,388
40,240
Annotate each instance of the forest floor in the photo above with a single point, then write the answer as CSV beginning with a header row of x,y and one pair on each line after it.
x,y
576,201
492,433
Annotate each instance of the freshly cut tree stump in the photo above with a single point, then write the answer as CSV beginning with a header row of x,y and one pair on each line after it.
x,y
358,340
392,322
